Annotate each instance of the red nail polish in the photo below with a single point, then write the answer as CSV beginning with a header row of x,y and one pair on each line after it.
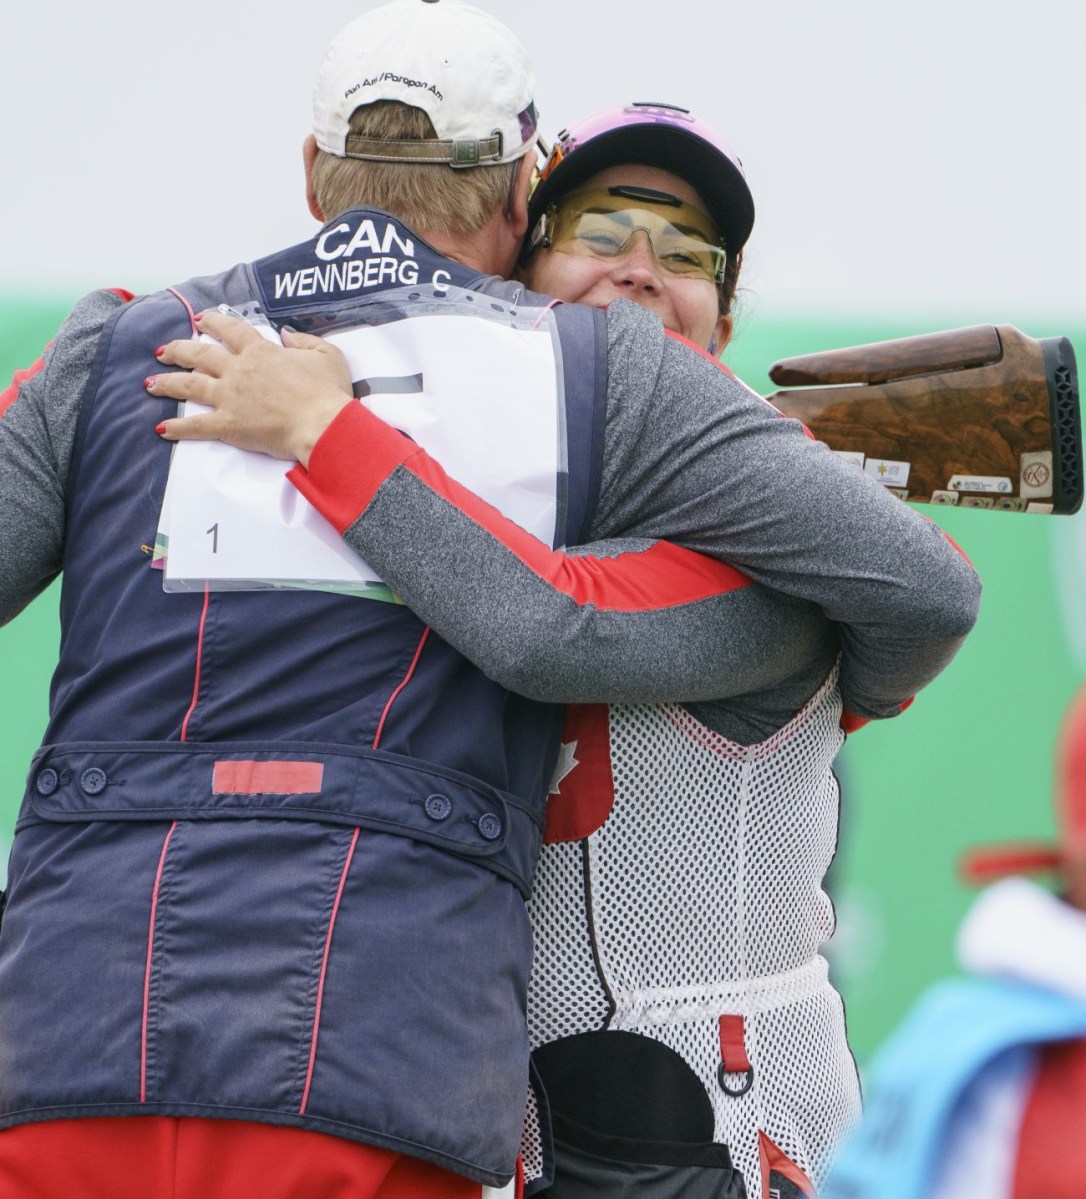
x,y
160,351
160,429
150,381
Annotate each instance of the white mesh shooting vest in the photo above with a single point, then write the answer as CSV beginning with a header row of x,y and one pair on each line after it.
x,y
699,897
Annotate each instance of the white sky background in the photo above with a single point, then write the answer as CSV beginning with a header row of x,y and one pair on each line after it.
x,y
923,158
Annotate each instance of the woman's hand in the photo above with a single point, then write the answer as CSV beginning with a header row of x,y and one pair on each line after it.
x,y
275,399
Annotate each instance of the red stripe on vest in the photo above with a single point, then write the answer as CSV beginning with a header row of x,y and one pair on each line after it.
x,y
267,778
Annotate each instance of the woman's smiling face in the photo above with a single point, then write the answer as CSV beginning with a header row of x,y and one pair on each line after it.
x,y
686,304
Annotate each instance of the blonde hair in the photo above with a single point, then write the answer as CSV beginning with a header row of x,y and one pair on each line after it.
x,y
434,198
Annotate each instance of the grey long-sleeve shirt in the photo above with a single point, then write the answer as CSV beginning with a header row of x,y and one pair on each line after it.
x,y
692,455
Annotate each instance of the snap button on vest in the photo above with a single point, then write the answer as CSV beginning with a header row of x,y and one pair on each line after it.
x,y
490,827
47,781
438,807
93,781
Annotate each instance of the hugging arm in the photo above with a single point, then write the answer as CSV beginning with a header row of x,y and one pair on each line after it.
x,y
38,415
694,457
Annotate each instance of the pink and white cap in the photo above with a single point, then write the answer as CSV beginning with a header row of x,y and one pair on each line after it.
x,y
463,67
657,135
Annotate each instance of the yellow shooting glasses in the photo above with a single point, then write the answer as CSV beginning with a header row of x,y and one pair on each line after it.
x,y
600,222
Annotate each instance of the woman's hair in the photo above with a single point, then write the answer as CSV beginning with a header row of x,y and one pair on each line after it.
x,y
433,197
726,288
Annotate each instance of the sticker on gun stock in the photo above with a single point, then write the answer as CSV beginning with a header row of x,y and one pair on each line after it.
x,y
985,484
892,474
1009,503
1036,475
978,501
947,498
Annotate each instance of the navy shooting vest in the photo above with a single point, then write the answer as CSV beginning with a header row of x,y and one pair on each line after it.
x,y
272,857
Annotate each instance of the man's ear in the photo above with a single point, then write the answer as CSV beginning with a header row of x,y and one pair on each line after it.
x,y
722,334
309,157
518,208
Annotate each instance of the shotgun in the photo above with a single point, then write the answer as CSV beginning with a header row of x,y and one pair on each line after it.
x,y
984,417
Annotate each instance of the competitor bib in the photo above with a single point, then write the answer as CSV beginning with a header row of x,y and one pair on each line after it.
x,y
473,381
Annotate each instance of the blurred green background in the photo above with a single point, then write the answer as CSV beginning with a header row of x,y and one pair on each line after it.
x,y
969,762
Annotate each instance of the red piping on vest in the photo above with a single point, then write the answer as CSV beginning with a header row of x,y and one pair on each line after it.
x,y
324,971
147,971
199,663
406,680
188,308
207,590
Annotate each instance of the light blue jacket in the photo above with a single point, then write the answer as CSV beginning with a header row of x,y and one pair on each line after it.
x,y
922,1075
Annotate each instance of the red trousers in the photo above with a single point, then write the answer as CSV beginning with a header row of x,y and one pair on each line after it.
x,y
162,1157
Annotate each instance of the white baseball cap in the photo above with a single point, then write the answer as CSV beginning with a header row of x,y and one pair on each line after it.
x,y
460,65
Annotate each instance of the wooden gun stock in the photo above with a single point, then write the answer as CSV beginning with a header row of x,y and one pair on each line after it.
x,y
983,417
